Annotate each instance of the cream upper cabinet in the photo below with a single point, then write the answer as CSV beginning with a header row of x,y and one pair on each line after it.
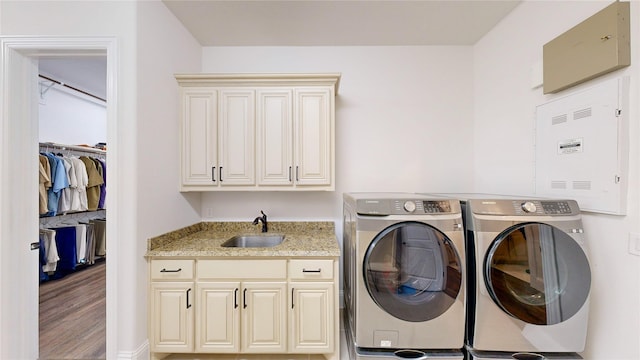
x,y
314,137
236,114
275,137
258,131
198,136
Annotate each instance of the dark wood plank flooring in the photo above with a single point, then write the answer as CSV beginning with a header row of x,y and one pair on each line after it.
x,y
73,315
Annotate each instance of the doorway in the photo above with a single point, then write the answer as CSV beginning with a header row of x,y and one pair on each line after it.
x,y
72,133
19,176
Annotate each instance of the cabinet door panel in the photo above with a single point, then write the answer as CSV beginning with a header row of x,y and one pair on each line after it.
x,y
264,317
237,144
312,318
218,317
199,134
274,137
172,316
314,136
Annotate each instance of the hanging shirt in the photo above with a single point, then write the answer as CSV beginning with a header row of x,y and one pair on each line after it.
x,y
45,183
48,237
79,194
59,180
64,203
95,180
103,187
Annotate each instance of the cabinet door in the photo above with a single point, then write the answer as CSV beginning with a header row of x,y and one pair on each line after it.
x,y
198,137
274,140
311,320
172,316
218,317
236,137
314,136
264,317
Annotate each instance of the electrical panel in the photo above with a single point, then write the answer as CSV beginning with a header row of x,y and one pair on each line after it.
x,y
582,147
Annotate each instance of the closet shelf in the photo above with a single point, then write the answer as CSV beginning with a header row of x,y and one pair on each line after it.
x,y
48,146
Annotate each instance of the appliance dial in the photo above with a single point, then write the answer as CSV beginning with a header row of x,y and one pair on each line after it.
x,y
409,206
528,207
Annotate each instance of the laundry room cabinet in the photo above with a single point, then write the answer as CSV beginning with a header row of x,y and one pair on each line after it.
x,y
257,131
171,306
243,306
311,320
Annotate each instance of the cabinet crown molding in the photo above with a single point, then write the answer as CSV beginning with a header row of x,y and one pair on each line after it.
x,y
264,79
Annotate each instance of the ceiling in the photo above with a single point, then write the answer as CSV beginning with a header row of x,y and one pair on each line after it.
x,y
339,23
308,23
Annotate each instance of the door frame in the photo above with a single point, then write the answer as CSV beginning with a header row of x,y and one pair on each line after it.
x,y
19,178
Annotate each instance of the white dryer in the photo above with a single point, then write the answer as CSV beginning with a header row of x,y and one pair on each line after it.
x,y
404,276
529,278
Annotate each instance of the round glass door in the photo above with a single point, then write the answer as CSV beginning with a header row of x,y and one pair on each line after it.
x,y
537,273
412,271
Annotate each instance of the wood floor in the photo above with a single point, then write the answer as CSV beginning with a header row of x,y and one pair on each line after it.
x,y
73,315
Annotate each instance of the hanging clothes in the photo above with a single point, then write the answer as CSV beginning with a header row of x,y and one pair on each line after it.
x,y
45,184
95,180
59,181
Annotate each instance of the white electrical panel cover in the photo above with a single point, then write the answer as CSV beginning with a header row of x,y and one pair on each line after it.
x,y
582,147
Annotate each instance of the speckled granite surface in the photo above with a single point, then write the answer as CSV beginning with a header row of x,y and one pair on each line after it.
x,y
314,239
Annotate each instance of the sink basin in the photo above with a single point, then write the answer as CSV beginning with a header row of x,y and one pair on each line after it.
x,y
253,241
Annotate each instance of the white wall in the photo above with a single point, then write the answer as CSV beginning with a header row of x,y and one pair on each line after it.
x,y
150,46
71,118
166,47
403,123
504,114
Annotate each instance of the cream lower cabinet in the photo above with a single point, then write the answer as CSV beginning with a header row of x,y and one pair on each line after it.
x,y
171,310
313,312
247,317
244,306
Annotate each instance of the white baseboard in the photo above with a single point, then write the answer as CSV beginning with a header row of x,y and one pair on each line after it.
x,y
141,353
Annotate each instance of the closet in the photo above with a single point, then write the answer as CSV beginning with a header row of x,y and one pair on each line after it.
x,y
72,202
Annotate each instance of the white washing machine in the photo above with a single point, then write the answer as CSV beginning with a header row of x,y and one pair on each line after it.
x,y
404,276
529,278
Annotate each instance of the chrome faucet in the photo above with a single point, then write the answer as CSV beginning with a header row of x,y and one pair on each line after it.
x,y
262,218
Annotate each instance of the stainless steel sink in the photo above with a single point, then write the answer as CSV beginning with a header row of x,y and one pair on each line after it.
x,y
254,241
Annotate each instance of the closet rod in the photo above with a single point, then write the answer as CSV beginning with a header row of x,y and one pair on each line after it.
x,y
72,88
50,145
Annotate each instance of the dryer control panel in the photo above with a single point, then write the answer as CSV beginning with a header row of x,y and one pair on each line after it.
x,y
525,207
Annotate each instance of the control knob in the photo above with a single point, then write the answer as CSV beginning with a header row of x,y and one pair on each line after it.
x,y
409,206
528,207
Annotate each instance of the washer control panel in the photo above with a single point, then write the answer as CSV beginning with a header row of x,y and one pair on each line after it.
x,y
406,206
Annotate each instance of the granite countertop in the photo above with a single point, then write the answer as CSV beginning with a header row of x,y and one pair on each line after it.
x,y
312,239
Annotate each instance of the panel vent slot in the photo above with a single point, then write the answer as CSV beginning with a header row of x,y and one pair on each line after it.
x,y
581,114
582,185
559,119
558,184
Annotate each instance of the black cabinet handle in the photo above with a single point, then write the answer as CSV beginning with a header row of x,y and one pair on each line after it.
x,y
170,271
289,173
213,173
220,177
292,290
235,298
244,299
311,271
297,177
188,304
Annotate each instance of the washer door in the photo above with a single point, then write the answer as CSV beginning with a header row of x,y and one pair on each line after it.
x,y
412,271
537,273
